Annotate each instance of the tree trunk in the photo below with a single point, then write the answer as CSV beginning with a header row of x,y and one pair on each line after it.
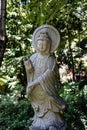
x,y
2,29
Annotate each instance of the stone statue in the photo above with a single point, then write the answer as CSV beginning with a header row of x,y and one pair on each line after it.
x,y
41,70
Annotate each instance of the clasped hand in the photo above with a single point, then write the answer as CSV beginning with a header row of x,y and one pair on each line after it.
x,y
28,65
30,87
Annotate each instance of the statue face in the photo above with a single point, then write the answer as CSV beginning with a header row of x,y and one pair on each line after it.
x,y
42,45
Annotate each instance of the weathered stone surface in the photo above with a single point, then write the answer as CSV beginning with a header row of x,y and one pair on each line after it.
x,y
41,70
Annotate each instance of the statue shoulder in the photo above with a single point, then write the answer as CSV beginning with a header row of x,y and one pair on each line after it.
x,y
52,58
33,57
51,61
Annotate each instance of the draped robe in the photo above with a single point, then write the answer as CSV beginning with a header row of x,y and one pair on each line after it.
x,y
44,98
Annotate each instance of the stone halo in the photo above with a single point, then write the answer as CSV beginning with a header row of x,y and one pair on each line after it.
x,y
53,34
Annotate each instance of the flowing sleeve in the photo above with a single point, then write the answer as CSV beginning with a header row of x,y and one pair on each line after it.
x,y
47,82
30,75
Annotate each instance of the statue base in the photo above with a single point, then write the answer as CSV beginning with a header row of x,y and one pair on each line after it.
x,y
50,127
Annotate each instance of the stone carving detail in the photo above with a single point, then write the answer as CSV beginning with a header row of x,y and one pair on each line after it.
x,y
41,70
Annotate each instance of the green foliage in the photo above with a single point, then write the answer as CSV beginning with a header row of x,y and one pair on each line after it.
x,y
15,110
14,115
77,101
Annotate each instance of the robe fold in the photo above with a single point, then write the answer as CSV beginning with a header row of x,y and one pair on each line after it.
x,y
44,98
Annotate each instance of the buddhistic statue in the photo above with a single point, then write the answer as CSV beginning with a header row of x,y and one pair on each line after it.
x,y
41,70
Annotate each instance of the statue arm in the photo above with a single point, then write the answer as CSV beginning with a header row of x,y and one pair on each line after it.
x,y
50,69
35,82
28,66
49,72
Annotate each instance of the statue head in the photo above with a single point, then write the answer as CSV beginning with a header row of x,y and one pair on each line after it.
x,y
49,35
43,43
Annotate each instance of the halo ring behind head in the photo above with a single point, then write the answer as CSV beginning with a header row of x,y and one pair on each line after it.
x,y
52,33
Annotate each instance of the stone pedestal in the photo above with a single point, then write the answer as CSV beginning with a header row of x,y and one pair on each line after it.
x,y
50,127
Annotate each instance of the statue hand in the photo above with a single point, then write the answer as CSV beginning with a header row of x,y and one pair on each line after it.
x,y
30,87
28,65
29,90
63,107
